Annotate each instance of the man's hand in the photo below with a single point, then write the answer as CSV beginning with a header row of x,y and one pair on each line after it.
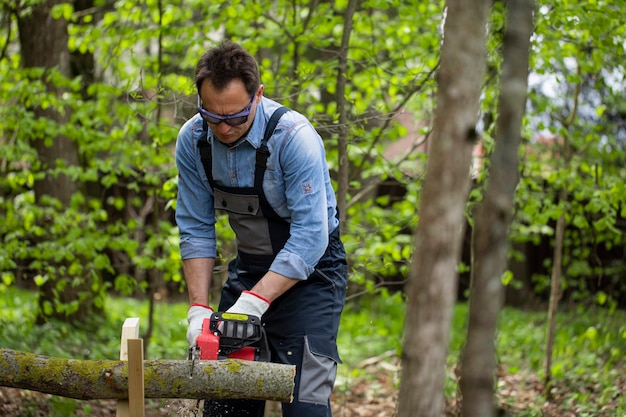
x,y
251,304
195,317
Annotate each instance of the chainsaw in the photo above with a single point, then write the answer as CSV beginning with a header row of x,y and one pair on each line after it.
x,y
232,336
229,336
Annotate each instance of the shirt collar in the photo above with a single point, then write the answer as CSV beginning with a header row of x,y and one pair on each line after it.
x,y
255,133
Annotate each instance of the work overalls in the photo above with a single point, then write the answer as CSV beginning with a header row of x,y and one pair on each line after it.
x,y
302,324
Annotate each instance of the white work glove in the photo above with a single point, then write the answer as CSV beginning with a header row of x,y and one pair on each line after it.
x,y
195,317
251,304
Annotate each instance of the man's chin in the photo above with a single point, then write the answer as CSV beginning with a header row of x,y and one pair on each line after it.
x,y
228,140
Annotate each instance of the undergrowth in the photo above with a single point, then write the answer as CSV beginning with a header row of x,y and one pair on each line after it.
x,y
588,352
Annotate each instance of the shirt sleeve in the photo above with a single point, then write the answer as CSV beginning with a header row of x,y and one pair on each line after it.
x,y
303,161
195,213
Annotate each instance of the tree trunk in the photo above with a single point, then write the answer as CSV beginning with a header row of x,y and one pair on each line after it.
x,y
107,379
555,293
344,130
493,219
433,277
559,242
43,44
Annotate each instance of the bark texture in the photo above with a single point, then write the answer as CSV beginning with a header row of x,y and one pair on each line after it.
x,y
493,218
108,379
433,277
43,44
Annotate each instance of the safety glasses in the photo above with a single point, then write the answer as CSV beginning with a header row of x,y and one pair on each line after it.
x,y
234,119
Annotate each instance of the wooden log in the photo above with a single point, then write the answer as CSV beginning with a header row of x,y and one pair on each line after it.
x,y
108,379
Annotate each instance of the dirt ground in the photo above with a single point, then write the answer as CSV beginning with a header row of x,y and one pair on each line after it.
x,y
21,403
373,395
361,402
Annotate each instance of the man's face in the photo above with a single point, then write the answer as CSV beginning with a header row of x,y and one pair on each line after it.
x,y
233,101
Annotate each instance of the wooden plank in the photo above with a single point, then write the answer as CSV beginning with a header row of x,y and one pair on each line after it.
x,y
130,330
136,399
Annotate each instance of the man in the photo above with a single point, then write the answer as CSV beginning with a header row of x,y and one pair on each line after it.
x,y
290,268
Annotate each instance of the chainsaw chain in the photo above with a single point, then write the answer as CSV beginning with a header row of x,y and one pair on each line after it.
x,y
193,356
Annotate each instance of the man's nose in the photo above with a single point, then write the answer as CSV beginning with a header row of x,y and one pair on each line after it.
x,y
224,127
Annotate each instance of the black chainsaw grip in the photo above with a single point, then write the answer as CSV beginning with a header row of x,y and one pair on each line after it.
x,y
238,333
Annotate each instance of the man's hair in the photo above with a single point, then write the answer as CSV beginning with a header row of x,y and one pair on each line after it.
x,y
227,62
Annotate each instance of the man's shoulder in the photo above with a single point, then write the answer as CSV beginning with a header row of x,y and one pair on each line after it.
x,y
289,121
191,129
270,106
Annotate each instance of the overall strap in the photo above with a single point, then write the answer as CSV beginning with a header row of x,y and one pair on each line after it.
x,y
278,227
204,146
262,153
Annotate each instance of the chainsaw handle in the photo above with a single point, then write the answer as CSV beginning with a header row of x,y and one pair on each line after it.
x,y
237,331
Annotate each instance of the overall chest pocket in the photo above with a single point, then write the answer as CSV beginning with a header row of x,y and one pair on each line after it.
x,y
240,204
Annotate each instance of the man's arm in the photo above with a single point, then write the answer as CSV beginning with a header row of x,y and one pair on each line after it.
x,y
256,301
273,285
198,273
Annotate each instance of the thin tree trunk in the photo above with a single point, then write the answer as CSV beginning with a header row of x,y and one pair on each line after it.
x,y
342,143
107,379
433,277
555,293
493,218
559,236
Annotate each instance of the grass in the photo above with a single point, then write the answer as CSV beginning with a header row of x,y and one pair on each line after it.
x,y
588,353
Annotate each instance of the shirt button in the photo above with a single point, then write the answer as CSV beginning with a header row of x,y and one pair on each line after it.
x,y
233,175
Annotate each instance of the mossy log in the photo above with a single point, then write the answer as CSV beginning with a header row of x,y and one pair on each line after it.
x,y
108,379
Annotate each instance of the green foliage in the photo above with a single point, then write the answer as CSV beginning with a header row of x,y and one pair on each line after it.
x,y
118,225
124,122
96,338
370,326
124,118
379,240
576,150
588,354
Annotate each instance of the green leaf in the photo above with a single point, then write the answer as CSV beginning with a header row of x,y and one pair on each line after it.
x,y
40,280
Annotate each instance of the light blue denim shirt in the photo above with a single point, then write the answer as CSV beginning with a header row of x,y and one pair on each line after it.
x,y
296,184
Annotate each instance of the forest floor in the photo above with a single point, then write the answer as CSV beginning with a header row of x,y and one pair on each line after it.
x,y
374,395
